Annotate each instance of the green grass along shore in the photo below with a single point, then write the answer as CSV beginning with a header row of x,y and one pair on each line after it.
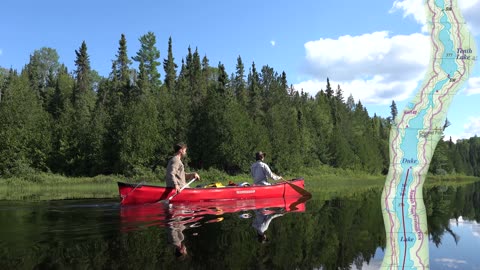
x,y
46,186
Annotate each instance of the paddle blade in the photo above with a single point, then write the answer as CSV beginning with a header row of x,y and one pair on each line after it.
x,y
298,189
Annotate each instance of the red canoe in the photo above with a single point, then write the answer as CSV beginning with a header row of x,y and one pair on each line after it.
x,y
142,194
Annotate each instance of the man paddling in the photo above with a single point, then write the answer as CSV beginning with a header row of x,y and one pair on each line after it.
x,y
176,176
261,171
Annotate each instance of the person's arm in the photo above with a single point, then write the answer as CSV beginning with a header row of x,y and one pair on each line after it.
x,y
270,174
192,175
175,173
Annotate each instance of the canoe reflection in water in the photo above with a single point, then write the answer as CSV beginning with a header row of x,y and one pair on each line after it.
x,y
181,216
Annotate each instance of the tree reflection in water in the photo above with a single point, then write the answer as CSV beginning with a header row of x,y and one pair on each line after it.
x,y
341,231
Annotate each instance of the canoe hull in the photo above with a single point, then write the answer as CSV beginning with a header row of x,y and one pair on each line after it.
x,y
142,194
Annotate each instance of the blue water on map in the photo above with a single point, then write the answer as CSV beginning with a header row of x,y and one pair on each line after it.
x,y
410,142
448,63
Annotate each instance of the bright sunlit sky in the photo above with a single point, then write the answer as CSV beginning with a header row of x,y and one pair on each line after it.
x,y
376,50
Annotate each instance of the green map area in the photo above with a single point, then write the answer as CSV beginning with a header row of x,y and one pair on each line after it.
x,y
416,132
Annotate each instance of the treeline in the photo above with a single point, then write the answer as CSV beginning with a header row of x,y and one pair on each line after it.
x,y
461,157
80,123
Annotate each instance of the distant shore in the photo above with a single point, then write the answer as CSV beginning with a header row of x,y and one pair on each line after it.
x,y
47,186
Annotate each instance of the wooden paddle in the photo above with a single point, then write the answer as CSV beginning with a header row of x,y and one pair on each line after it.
x,y
298,189
178,192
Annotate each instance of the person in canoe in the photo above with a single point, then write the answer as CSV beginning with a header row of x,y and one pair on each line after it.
x,y
261,172
176,176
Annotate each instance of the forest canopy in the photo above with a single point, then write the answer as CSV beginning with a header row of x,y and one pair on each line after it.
x,y
78,123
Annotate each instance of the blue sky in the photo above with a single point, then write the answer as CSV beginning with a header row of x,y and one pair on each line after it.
x,y
376,50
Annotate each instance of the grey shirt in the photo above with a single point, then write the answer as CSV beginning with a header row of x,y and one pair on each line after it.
x,y
261,172
175,173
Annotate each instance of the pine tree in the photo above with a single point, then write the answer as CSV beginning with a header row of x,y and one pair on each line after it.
x,y
76,118
329,90
393,112
239,83
254,93
121,71
170,68
198,87
339,94
82,81
147,57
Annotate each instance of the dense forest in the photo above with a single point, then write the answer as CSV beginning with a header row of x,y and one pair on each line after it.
x,y
78,123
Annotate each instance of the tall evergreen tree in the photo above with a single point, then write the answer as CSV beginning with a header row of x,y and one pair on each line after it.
x,y
329,90
82,73
182,112
254,94
339,94
170,68
393,111
239,83
121,70
147,57
76,119
198,87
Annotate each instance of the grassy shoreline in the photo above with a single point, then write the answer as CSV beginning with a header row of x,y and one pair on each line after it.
x,y
45,186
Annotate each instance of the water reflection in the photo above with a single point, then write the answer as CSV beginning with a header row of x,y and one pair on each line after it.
x,y
195,214
189,219
262,220
329,231
176,237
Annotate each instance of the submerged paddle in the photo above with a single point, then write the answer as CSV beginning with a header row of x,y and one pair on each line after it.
x,y
298,189
178,192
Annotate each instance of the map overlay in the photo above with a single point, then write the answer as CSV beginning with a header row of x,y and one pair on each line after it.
x,y
415,133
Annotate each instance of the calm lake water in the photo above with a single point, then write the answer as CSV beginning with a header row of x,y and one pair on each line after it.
x,y
341,232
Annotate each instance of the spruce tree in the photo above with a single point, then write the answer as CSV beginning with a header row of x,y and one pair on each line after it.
x,y
393,111
239,83
121,70
254,94
329,90
170,68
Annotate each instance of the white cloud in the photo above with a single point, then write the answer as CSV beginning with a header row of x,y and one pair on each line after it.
x,y
471,9
471,224
1,51
374,68
377,67
416,9
272,42
471,128
473,86
451,263
413,8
